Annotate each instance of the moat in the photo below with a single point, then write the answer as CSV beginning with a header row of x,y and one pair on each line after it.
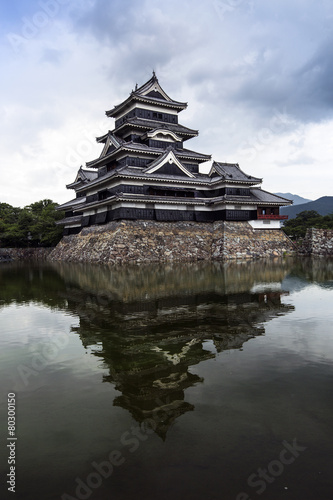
x,y
171,381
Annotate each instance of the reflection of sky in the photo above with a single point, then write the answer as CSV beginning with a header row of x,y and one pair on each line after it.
x,y
313,301
32,336
307,330
266,287
31,323
300,342
293,283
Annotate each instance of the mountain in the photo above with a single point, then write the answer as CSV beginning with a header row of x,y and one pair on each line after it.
x,y
323,206
298,200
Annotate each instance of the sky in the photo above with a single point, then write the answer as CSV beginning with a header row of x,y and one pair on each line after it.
x,y
257,76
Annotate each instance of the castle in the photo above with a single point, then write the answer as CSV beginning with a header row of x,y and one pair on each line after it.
x,y
145,172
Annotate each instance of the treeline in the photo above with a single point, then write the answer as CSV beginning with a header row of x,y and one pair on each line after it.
x,y
31,226
296,228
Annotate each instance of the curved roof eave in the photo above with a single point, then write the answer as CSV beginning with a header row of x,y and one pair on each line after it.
x,y
149,124
178,106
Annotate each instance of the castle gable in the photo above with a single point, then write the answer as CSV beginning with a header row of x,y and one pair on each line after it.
x,y
168,163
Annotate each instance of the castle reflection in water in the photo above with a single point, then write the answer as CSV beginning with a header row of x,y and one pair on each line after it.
x,y
150,325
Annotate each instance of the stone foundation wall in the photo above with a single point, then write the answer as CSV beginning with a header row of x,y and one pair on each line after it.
x,y
240,241
318,242
149,241
7,254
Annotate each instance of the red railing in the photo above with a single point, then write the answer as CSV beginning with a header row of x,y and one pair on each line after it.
x,y
272,217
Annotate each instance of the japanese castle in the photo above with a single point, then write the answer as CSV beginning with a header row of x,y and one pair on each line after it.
x,y
145,171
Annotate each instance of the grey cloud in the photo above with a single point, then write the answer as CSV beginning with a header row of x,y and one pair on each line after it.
x,y
109,22
143,35
317,76
250,56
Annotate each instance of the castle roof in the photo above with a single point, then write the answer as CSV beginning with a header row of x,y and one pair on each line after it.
x,y
144,124
232,172
72,203
135,147
82,177
264,196
149,93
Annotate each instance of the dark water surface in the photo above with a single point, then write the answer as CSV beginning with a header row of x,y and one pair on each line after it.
x,y
187,381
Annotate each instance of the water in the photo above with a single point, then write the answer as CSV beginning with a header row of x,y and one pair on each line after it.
x,y
192,381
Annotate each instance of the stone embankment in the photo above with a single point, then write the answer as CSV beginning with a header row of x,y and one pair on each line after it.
x,y
317,242
9,254
240,241
149,241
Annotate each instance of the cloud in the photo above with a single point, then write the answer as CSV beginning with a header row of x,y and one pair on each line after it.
x,y
291,67
316,77
256,75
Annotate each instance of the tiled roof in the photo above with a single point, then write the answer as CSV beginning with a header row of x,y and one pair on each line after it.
x,y
146,87
181,153
232,172
187,153
265,196
133,172
134,97
115,139
138,173
151,124
135,147
140,95
72,203
90,175
159,161
179,200
257,196
76,219
82,177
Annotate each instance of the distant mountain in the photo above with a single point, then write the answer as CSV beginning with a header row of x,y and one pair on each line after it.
x,y
298,200
323,206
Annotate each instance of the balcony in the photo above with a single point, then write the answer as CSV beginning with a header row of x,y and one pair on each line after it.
x,y
272,217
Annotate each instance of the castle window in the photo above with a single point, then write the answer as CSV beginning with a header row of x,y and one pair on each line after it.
x,y
102,195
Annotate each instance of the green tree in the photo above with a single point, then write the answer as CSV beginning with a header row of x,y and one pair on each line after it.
x,y
296,228
43,227
10,230
33,225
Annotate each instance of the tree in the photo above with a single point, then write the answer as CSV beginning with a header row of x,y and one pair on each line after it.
x,y
10,231
33,225
44,229
296,228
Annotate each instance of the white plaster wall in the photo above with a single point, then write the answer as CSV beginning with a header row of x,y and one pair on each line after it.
x,y
267,224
